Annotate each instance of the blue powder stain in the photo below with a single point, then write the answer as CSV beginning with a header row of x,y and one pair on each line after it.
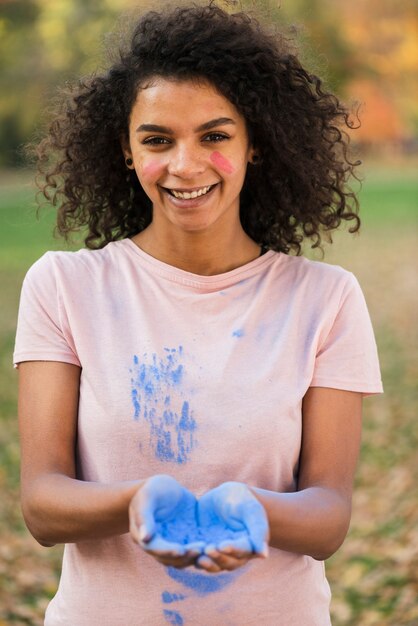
x,y
168,597
168,417
149,389
173,617
238,333
177,375
179,350
187,423
163,448
202,584
171,431
137,406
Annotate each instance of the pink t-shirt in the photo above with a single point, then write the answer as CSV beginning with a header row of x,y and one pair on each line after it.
x,y
200,377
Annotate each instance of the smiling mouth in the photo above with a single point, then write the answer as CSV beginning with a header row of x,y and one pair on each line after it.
x,y
190,195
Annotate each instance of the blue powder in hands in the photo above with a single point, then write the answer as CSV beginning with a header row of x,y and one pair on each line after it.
x,y
185,531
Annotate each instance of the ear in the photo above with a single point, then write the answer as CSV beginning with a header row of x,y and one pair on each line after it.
x,y
127,152
253,156
126,148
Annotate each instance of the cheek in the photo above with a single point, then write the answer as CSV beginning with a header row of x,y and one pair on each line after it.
x,y
222,163
150,170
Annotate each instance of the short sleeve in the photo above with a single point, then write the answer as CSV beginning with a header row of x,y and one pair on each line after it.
x,y
347,355
40,334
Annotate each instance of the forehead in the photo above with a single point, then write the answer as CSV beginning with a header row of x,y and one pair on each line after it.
x,y
182,101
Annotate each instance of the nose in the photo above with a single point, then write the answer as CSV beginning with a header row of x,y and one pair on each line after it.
x,y
186,162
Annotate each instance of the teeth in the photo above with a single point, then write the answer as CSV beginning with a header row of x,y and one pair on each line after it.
x,y
186,195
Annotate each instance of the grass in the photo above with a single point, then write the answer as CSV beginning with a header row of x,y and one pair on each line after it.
x,y
374,575
389,195
24,236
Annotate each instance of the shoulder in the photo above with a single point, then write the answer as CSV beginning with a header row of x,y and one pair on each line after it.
x,y
317,290
317,276
57,266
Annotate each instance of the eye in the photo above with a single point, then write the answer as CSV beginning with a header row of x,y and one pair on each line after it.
x,y
215,137
155,141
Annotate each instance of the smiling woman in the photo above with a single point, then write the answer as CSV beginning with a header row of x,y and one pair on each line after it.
x,y
174,129
189,392
295,127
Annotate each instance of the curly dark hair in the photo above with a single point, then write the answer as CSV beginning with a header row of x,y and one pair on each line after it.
x,y
299,190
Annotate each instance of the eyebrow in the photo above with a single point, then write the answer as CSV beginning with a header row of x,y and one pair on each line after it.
x,y
220,121
155,128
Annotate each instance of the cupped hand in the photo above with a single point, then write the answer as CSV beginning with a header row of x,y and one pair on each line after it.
x,y
162,519
236,525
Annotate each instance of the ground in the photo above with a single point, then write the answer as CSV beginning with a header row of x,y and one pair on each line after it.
x,y
374,576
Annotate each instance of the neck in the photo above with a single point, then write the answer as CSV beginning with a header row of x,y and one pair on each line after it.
x,y
199,252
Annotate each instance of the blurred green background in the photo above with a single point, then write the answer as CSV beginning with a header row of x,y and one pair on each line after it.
x,y
368,53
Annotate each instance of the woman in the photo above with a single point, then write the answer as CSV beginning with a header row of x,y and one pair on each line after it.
x,y
186,379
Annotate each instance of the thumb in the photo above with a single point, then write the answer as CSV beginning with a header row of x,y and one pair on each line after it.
x,y
257,525
145,518
147,527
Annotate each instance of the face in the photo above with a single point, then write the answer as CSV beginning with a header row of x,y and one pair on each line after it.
x,y
190,150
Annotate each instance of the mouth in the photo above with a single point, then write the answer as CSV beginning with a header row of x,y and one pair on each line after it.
x,y
190,194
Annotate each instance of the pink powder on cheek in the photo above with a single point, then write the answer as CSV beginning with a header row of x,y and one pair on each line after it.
x,y
220,161
149,170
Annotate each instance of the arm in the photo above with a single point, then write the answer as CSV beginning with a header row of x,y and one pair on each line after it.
x,y
56,506
315,519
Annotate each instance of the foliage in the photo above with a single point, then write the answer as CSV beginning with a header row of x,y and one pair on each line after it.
x,y
374,575
42,44
46,42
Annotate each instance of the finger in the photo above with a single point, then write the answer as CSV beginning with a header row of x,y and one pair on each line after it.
x,y
195,548
146,531
238,548
178,563
225,561
134,530
255,520
158,546
141,533
144,518
161,547
210,550
228,563
205,563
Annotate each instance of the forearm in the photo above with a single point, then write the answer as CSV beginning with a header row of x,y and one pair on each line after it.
x,y
313,521
59,509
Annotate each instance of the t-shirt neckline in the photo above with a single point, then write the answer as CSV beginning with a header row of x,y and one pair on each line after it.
x,y
184,277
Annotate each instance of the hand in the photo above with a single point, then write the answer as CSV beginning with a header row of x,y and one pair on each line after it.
x,y
231,509
162,517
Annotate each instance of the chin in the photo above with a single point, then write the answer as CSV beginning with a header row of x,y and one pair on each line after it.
x,y
194,226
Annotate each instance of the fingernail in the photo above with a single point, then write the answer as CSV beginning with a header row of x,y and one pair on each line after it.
x,y
143,534
265,551
211,550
